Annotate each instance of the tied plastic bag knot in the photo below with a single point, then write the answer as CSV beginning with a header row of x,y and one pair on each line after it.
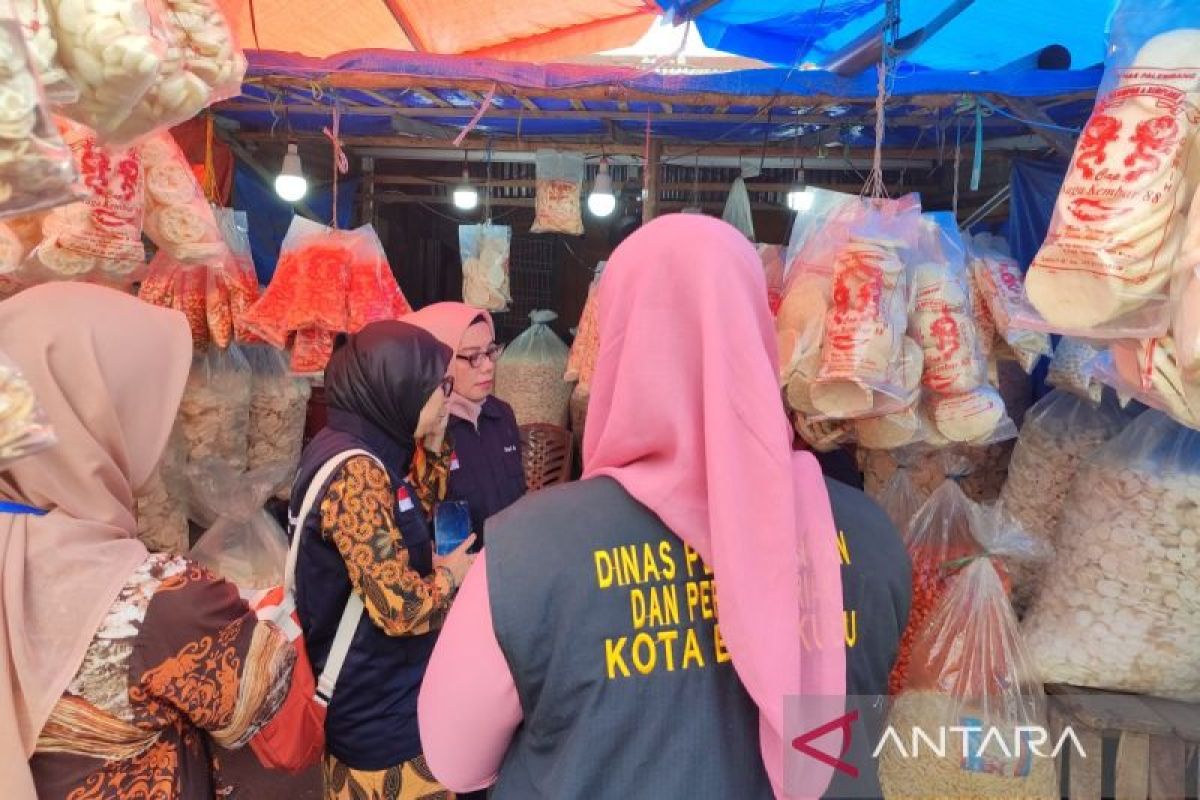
x,y
542,316
243,543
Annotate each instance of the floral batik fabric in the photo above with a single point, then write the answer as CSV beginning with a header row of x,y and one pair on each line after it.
x,y
179,662
411,780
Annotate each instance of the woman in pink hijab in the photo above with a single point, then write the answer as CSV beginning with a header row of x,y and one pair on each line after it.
x,y
116,667
638,634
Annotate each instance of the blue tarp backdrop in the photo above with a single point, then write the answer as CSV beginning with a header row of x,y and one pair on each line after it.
x,y
987,35
270,217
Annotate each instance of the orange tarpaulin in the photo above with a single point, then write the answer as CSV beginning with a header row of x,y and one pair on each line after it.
x,y
525,30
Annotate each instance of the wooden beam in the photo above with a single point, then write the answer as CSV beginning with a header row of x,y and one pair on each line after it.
x,y
663,188
612,91
1058,140
528,104
429,96
583,144
616,116
652,169
578,106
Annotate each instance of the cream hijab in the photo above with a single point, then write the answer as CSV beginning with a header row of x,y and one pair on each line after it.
x,y
109,370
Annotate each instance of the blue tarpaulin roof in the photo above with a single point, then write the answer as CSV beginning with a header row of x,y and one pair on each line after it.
x,y
987,35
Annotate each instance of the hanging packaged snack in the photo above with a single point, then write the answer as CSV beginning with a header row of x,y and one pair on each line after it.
x,y
215,412
244,544
485,252
24,427
942,531
1105,269
1002,289
737,209
823,435
904,427
100,238
942,319
1149,372
867,318
179,220
202,65
309,287
238,271
278,406
1060,433
36,168
529,376
901,498
41,39
557,207
112,53
372,294
800,323
772,258
162,512
970,670
581,364
311,350
1073,369
1117,607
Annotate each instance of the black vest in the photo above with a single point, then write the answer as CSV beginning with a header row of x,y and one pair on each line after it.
x,y
372,719
608,625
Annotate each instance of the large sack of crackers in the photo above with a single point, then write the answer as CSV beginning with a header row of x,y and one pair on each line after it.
x,y
1119,607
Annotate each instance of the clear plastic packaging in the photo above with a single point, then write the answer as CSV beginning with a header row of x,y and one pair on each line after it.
x,y
1149,372
825,435
485,252
942,531
1073,369
327,281
202,65
581,364
278,407
24,427
238,271
215,412
1002,289
41,40
162,504
244,545
529,376
772,258
942,319
737,209
113,55
1060,433
179,220
1117,607
971,668
558,206
36,169
1105,269
867,317
900,497
100,238
807,225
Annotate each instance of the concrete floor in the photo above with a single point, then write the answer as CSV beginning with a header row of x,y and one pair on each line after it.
x,y
241,769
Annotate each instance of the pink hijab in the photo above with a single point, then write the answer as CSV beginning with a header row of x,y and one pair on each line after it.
x,y
449,323
109,370
686,414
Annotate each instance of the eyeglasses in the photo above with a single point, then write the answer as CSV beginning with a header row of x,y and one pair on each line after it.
x,y
492,354
447,385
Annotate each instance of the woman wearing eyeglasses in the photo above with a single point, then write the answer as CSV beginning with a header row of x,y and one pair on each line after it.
x,y
485,468
366,551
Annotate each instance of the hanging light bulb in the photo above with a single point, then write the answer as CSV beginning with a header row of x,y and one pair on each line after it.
x,y
290,183
466,196
602,202
799,198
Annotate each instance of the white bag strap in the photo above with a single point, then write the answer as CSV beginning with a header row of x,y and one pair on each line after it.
x,y
353,611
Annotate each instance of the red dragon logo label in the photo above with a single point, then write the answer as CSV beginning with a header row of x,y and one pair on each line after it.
x,y
1153,140
1101,131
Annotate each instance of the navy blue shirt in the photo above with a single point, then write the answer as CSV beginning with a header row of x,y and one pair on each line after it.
x,y
486,471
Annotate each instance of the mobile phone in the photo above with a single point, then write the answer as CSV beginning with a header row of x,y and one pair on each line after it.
x,y
451,526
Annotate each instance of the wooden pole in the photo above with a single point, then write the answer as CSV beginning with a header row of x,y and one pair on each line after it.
x,y
653,166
